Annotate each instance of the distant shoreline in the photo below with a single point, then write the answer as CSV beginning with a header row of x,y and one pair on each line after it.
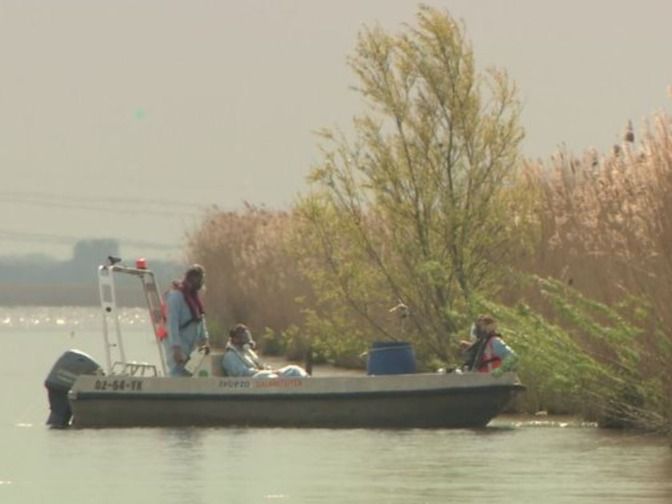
x,y
63,294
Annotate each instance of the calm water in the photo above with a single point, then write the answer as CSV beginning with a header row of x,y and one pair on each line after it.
x,y
513,460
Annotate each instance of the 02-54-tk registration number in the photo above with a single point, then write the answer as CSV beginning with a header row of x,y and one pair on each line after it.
x,y
116,385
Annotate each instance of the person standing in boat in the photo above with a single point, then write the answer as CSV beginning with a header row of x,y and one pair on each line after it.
x,y
241,360
185,317
487,350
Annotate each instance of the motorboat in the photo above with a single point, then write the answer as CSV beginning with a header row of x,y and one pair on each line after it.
x,y
138,394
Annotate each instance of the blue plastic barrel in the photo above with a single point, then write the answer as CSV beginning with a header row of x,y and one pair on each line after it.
x,y
390,357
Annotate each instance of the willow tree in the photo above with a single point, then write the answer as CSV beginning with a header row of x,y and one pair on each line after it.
x,y
417,207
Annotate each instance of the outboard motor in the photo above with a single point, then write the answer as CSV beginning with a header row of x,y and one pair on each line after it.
x,y
59,381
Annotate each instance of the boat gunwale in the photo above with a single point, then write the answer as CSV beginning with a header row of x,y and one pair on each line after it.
x,y
227,396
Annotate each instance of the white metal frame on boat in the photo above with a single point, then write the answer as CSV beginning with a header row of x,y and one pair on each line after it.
x,y
108,302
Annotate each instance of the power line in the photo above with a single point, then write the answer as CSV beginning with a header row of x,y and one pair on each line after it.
x,y
33,195
24,237
98,208
126,206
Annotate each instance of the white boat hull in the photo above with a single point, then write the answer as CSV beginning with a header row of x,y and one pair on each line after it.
x,y
417,400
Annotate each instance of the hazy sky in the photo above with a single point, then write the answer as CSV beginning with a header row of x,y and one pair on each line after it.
x,y
124,118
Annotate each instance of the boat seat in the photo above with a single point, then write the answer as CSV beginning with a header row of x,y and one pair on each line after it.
x,y
215,364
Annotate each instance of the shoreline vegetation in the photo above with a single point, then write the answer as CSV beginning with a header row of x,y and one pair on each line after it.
x,y
431,204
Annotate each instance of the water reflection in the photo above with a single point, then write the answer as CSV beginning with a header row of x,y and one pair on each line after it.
x,y
183,466
549,460
578,465
665,474
72,318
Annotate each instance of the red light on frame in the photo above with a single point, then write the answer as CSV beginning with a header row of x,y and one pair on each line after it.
x,y
141,263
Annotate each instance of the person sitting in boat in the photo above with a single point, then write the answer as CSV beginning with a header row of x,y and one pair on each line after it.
x,y
241,360
185,317
486,351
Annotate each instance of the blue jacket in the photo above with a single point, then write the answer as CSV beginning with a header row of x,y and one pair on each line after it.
x,y
182,332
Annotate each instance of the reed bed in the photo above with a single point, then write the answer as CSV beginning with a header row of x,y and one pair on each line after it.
x,y
251,276
605,231
592,327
